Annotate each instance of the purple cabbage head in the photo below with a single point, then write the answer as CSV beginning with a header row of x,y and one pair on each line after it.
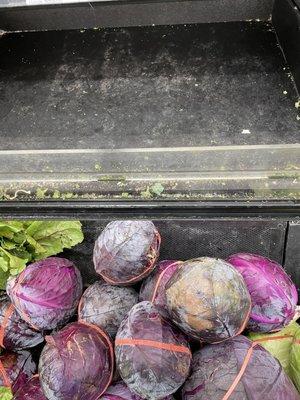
x,y
106,305
15,333
274,296
153,288
76,363
32,390
119,391
208,299
46,294
152,357
215,367
16,369
126,251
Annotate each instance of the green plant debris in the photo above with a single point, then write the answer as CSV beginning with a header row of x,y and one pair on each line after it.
x,y
126,195
56,194
146,194
69,195
98,167
157,189
40,193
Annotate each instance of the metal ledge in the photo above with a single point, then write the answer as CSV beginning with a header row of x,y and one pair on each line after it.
x,y
187,173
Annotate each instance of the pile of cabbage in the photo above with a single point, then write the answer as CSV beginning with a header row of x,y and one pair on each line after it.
x,y
197,329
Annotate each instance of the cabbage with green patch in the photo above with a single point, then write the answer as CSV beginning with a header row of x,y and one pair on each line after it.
x,y
285,346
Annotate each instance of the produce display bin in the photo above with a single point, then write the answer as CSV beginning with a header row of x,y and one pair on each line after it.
x,y
186,112
183,112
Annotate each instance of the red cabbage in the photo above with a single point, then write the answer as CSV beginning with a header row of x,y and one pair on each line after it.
x,y
32,390
274,296
46,294
106,306
126,251
153,288
119,391
152,357
76,363
208,299
16,334
215,367
16,369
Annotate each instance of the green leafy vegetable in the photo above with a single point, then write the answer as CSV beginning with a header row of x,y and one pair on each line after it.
x,y
24,241
157,188
5,393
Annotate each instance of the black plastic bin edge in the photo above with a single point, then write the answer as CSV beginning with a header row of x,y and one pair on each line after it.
x,y
94,210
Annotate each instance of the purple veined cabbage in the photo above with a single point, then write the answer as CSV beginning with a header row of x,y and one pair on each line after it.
x,y
153,358
153,288
274,296
215,368
120,391
16,369
208,299
32,390
126,251
76,363
46,294
106,305
15,333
